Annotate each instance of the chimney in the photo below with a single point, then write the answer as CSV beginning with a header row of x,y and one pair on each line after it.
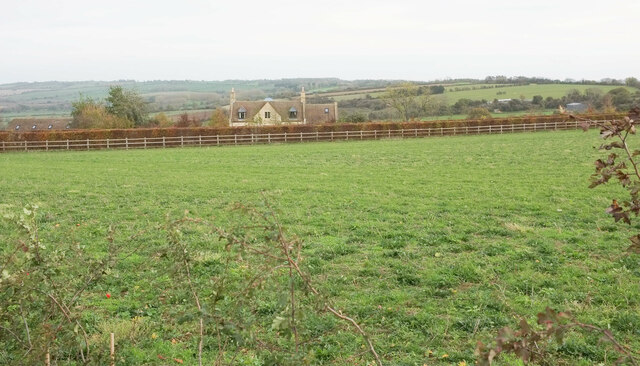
x,y
232,100
303,100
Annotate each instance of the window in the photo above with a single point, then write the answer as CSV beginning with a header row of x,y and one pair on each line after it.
x,y
293,113
50,127
326,110
242,113
267,114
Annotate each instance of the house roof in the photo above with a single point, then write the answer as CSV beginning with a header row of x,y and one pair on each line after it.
x,y
283,109
316,113
252,108
38,124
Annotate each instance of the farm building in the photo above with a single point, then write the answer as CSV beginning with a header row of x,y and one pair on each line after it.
x,y
38,124
576,107
270,112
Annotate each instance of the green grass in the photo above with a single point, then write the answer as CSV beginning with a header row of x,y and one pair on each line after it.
x,y
514,92
511,92
429,242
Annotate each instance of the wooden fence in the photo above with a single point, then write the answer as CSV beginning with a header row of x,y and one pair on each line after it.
x,y
271,138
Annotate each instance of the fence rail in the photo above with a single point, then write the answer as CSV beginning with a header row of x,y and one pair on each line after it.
x,y
270,138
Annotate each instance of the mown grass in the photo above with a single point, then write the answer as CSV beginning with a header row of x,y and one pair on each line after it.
x,y
433,244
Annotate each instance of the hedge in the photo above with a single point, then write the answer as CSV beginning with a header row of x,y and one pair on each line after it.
x,y
61,135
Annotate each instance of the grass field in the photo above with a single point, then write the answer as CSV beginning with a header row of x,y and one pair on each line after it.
x,y
511,92
433,244
514,92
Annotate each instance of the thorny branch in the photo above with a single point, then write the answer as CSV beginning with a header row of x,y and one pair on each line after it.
x,y
287,248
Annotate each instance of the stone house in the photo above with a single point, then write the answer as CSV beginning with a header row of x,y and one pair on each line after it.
x,y
271,112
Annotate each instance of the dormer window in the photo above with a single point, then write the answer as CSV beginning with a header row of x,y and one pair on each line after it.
x,y
242,113
293,113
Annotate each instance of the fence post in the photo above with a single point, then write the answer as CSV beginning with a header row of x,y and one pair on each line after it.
x,y
285,137
441,131
500,129
375,134
347,135
360,134
3,147
67,144
46,144
331,135
269,137
317,136
389,133
235,139
466,130
25,145
87,144
300,136
252,138
163,142
489,129
113,350
126,143
416,132
107,144
145,142
181,141
200,139
217,140
402,132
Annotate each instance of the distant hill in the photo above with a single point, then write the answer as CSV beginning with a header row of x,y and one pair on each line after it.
x,y
361,98
55,97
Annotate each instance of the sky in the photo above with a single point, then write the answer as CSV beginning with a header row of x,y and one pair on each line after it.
x,y
71,40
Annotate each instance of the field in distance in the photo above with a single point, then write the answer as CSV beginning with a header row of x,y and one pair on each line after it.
x,y
432,244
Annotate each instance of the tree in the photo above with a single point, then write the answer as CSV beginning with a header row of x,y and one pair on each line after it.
x,y
127,104
161,120
632,82
538,100
406,99
219,118
620,96
89,113
479,113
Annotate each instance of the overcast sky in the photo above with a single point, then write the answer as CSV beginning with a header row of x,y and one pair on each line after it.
x,y
351,39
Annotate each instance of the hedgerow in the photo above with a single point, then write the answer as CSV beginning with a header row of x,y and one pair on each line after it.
x,y
96,134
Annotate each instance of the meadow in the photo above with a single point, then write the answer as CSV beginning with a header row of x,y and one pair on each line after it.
x,y
431,244
510,92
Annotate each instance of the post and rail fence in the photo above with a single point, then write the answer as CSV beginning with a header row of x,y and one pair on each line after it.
x,y
285,137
